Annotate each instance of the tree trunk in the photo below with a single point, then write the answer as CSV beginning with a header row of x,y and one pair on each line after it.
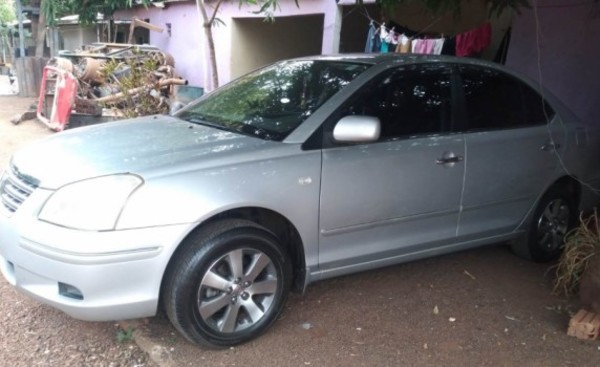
x,y
207,25
212,54
41,34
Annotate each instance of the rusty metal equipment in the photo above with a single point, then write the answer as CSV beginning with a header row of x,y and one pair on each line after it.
x,y
87,81
57,94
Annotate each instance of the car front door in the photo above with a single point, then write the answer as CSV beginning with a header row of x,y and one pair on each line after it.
x,y
400,194
511,144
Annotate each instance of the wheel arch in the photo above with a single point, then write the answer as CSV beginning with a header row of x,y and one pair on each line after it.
x,y
565,184
568,183
571,185
275,223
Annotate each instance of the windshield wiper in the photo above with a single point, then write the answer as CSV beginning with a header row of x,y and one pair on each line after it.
x,y
200,119
203,122
239,128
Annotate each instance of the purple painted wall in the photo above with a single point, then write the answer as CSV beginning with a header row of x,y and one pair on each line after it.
x,y
185,40
568,53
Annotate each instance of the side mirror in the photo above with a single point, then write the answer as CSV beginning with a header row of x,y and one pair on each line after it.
x,y
357,129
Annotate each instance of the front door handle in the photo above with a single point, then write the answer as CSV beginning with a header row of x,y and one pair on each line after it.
x,y
447,160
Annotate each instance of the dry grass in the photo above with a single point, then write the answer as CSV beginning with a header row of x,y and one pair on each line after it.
x,y
581,244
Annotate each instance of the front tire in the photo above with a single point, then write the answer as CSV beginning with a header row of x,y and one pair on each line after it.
x,y
228,284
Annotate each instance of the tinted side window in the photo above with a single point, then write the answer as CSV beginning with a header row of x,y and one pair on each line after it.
x,y
494,100
409,100
537,111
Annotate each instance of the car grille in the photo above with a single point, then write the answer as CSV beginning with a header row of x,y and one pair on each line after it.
x,y
14,189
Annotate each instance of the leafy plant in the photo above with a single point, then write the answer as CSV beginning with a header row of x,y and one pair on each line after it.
x,y
581,244
7,12
87,10
124,336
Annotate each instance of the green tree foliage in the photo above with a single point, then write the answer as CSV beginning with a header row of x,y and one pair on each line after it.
x,y
7,15
87,10
7,12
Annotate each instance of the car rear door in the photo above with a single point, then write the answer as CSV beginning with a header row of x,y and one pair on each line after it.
x,y
512,151
400,194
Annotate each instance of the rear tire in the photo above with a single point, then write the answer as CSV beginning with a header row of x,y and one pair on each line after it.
x,y
554,217
227,284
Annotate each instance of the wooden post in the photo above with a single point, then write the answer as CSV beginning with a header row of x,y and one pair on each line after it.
x,y
29,75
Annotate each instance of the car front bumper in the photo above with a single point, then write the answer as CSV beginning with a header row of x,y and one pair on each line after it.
x,y
95,276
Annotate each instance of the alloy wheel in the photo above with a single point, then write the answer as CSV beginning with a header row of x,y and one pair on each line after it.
x,y
553,224
237,290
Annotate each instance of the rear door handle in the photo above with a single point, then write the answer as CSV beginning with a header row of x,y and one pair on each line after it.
x,y
447,160
550,147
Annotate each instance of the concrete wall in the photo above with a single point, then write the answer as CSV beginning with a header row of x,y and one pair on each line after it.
x,y
287,37
74,36
231,10
244,42
187,41
566,47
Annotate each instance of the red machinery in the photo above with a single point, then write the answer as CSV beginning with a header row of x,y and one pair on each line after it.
x,y
57,95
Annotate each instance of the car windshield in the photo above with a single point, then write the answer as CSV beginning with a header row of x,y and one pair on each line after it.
x,y
271,102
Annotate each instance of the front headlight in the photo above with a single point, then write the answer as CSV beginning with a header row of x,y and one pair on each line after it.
x,y
94,204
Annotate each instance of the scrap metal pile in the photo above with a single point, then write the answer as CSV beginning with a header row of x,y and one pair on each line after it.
x,y
101,79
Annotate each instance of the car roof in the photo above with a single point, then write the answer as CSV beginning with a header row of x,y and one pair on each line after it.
x,y
392,58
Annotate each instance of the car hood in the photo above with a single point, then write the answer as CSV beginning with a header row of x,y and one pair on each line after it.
x,y
142,145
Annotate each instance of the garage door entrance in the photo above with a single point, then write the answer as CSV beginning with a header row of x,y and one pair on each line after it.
x,y
256,43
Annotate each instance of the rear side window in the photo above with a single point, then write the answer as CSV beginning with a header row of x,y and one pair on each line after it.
x,y
537,111
494,100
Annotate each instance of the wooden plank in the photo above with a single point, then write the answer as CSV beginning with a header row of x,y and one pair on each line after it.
x,y
29,75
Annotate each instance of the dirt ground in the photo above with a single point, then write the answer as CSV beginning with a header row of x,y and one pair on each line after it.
x,y
483,307
493,309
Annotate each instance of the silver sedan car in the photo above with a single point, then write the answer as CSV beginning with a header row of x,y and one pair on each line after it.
x,y
301,171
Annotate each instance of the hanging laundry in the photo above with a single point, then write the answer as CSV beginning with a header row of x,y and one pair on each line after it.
x,y
383,36
387,38
474,41
418,46
427,46
404,46
438,45
429,43
392,37
383,32
385,47
370,38
376,43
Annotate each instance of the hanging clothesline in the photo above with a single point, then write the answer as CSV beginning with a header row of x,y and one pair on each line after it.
x,y
403,40
384,39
